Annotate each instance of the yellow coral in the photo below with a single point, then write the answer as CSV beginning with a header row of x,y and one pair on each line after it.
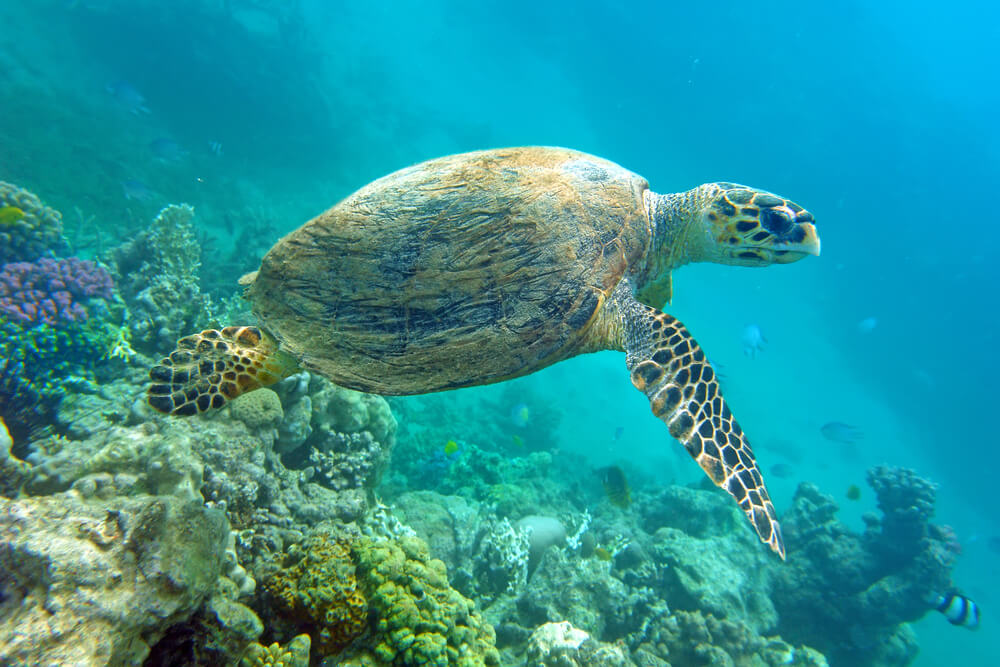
x,y
321,590
421,619
294,654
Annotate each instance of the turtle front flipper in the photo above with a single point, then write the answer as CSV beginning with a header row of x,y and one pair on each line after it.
x,y
213,367
668,365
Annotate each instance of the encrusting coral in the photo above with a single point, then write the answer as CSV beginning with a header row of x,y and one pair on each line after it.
x,y
317,587
374,601
420,619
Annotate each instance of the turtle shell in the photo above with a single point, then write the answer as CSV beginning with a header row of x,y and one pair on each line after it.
x,y
458,271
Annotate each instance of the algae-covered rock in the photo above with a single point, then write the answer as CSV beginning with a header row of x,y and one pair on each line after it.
x,y
89,582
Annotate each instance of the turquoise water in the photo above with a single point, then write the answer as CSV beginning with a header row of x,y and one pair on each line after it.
x,y
879,118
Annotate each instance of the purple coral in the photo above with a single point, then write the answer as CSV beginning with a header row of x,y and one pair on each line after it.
x,y
51,291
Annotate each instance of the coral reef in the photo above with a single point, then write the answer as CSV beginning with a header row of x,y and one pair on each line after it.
x,y
36,232
317,589
53,291
39,365
848,594
98,582
419,618
562,645
293,654
694,638
157,276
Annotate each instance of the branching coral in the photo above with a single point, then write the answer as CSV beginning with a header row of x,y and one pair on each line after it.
x,y
158,278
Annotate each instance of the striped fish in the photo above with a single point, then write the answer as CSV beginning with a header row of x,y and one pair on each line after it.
x,y
958,609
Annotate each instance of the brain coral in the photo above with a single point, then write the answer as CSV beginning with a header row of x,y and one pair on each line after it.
x,y
36,233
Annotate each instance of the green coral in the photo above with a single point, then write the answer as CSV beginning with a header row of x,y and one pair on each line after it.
x,y
38,365
37,233
293,654
421,620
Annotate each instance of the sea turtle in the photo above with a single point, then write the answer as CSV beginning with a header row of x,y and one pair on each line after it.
x,y
486,266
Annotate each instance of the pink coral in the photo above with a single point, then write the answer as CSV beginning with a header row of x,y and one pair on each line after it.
x,y
53,291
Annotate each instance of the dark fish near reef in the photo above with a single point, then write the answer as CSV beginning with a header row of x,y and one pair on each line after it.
x,y
126,95
782,470
841,432
958,609
853,492
167,150
615,486
136,190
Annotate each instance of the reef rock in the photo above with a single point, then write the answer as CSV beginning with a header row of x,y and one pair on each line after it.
x,y
85,583
850,595
562,645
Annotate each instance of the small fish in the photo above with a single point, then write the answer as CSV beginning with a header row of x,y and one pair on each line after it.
x,y
753,340
841,432
136,190
782,470
957,608
10,214
615,486
600,553
619,432
517,440
519,415
167,150
450,447
853,492
126,95
867,325
215,148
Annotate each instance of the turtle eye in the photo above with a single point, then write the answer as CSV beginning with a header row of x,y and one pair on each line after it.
x,y
775,221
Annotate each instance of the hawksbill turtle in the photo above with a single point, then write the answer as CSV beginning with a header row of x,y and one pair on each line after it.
x,y
486,266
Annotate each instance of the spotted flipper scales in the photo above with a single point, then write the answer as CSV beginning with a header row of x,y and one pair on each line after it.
x,y
213,367
668,365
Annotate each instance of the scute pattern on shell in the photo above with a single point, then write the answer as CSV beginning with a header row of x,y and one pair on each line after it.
x,y
459,271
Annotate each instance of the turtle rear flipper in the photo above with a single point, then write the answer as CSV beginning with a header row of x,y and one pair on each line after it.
x,y
668,365
213,367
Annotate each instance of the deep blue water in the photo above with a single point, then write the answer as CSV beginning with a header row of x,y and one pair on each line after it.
x,y
880,118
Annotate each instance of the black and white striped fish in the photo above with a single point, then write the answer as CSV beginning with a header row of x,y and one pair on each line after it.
x,y
958,609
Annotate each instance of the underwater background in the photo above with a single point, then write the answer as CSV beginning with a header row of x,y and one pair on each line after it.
x,y
877,117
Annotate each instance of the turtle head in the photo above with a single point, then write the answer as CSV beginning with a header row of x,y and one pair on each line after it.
x,y
736,224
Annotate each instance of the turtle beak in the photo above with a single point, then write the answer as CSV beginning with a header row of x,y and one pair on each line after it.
x,y
808,243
